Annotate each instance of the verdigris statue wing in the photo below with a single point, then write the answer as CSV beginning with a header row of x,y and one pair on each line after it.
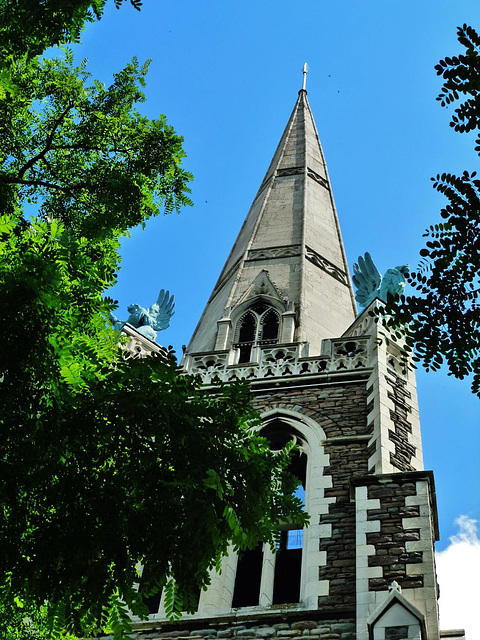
x,y
367,279
161,312
393,282
117,324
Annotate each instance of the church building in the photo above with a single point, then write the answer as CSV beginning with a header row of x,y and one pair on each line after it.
x,y
283,316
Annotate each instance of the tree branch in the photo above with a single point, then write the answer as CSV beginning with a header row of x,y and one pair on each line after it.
x,y
42,183
48,143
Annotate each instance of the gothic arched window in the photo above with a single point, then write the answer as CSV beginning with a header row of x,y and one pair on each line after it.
x,y
258,326
247,331
269,326
284,588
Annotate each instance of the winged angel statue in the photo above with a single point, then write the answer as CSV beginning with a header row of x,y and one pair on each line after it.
x,y
149,321
370,284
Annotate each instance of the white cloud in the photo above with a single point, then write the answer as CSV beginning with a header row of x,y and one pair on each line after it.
x,y
458,571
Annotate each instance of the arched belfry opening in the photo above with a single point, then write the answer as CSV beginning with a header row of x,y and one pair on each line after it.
x,y
247,331
270,326
258,326
282,586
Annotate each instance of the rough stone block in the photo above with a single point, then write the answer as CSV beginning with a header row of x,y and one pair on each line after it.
x,y
304,624
265,632
343,627
407,535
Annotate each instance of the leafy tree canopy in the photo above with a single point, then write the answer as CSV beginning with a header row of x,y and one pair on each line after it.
x,y
444,313
106,461
28,27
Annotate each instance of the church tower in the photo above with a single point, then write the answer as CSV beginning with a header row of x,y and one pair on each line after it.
x,y
283,316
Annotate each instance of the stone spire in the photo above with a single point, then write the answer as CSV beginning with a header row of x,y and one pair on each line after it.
x,y
289,251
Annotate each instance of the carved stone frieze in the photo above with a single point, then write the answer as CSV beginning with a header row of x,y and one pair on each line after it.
x,y
290,171
327,266
274,252
297,171
315,176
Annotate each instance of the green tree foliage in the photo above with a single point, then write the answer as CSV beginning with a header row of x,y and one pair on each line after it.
x,y
106,461
28,27
444,313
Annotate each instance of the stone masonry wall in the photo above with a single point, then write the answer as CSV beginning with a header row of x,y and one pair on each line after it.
x,y
396,529
399,415
330,629
341,411
390,542
347,459
403,518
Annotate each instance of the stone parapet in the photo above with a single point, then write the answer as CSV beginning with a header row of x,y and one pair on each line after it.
x,y
339,356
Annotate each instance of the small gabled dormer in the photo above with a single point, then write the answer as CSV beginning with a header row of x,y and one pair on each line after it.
x,y
260,317
396,619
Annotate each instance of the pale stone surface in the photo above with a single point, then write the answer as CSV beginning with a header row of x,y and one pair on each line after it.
x,y
294,207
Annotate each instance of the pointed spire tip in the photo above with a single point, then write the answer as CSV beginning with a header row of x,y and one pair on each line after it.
x,y
305,71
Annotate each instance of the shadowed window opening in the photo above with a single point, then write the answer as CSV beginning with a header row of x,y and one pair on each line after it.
x,y
195,599
246,337
259,308
298,466
278,433
284,585
245,353
288,557
152,602
247,580
270,326
247,329
396,633
288,564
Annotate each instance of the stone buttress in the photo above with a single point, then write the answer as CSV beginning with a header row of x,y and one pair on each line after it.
x,y
282,315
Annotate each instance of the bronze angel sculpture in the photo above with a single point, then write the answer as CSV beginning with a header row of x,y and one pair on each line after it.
x,y
149,321
370,284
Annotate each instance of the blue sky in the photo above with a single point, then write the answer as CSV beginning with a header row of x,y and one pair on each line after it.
x,y
226,75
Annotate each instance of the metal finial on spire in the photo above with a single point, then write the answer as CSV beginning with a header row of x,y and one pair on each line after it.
x,y
305,71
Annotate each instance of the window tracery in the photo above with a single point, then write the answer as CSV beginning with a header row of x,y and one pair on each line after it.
x,y
259,325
